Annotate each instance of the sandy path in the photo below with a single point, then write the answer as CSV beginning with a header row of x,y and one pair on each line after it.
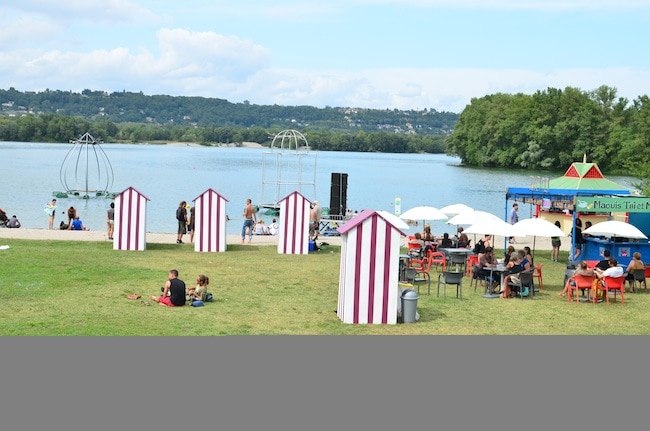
x,y
152,237
170,238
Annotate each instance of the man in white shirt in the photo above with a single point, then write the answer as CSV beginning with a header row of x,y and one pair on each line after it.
x,y
613,271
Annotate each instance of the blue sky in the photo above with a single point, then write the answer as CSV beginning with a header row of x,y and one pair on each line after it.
x,y
384,54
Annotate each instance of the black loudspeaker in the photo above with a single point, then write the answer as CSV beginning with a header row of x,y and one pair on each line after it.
x,y
339,194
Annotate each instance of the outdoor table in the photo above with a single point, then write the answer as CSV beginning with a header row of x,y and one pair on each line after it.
x,y
501,269
457,251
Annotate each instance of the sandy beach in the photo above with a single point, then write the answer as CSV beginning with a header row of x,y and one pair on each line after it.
x,y
170,238
152,237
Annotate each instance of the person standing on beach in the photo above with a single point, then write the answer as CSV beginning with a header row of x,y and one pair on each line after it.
x,y
50,209
110,220
181,217
191,224
556,242
514,218
249,221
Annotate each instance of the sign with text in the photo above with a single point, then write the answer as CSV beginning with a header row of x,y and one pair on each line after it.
x,y
610,204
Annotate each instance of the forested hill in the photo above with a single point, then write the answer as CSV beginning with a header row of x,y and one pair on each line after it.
x,y
128,107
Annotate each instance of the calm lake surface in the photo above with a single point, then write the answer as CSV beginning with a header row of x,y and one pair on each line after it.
x,y
168,174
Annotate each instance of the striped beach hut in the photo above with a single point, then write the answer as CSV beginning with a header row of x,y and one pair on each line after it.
x,y
369,273
130,220
210,222
293,232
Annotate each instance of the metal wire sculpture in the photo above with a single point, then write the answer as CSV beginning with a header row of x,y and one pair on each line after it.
x,y
285,167
86,170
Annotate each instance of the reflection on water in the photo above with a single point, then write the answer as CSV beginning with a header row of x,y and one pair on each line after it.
x,y
168,174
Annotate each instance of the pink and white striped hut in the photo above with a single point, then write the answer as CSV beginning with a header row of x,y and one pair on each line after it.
x,y
369,274
130,220
293,231
210,222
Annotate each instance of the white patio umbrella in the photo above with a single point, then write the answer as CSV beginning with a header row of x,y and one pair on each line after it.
x,y
423,213
537,227
492,227
455,209
394,220
615,228
471,217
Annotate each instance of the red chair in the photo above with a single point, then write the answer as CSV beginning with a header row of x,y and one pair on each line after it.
x,y
582,282
472,260
537,273
438,258
615,284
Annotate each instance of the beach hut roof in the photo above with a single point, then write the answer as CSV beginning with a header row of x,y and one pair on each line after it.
x,y
584,176
580,179
359,218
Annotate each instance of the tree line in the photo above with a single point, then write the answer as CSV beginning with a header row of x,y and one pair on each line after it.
x,y
553,128
62,128
161,110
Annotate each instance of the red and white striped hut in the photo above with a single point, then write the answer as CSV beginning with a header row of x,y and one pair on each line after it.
x,y
293,231
130,220
369,274
210,222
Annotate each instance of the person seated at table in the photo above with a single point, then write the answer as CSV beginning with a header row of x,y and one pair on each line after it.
x,y
487,241
463,240
529,256
429,240
613,271
485,263
582,269
521,265
509,254
635,264
604,263
416,244
482,244
427,236
445,242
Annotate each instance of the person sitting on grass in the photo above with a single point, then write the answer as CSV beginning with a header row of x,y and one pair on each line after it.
x,y
173,292
200,291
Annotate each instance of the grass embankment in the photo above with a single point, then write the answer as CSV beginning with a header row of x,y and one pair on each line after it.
x,y
80,288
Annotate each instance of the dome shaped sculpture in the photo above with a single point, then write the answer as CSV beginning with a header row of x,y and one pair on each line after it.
x,y
86,170
287,166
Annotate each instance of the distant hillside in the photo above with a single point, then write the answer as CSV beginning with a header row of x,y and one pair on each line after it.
x,y
127,107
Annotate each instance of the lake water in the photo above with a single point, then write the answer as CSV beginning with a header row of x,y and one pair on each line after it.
x,y
168,174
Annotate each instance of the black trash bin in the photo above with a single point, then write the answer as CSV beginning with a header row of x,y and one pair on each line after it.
x,y
409,299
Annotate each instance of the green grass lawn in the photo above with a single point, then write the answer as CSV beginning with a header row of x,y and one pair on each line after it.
x,y
80,288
